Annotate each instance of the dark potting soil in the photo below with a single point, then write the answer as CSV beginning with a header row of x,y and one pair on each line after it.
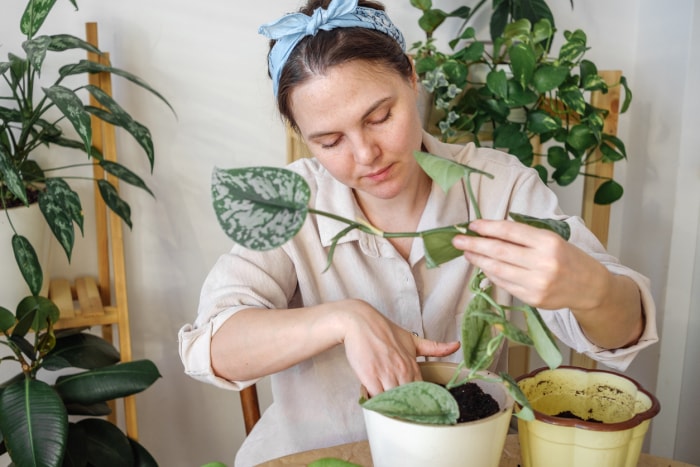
x,y
474,404
568,414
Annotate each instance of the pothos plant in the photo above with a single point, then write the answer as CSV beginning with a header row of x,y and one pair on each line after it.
x,y
261,208
38,110
511,89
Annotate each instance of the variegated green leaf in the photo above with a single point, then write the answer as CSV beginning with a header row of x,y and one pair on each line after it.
x,y
559,227
260,207
28,263
86,66
36,51
67,198
110,195
542,338
61,42
525,412
510,330
476,333
11,178
71,106
124,174
420,401
34,16
58,219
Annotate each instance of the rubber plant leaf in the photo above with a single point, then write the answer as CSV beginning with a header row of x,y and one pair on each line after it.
x,y
81,350
260,208
142,458
419,401
42,310
28,263
106,443
110,195
7,319
34,16
34,423
71,107
103,384
86,66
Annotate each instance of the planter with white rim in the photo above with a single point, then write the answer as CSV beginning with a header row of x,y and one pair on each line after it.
x,y
29,222
395,442
584,418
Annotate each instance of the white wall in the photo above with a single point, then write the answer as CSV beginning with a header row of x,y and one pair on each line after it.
x,y
208,60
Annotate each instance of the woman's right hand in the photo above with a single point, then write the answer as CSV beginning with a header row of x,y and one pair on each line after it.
x,y
382,354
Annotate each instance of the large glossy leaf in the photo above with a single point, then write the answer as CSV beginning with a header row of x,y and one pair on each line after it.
x,y
34,423
28,263
7,319
142,458
42,310
543,340
260,207
608,192
420,401
110,195
82,350
86,66
71,107
106,444
34,16
103,384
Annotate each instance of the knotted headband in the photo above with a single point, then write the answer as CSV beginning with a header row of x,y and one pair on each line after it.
x,y
292,28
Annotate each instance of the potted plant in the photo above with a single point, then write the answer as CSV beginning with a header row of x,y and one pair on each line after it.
x,y
262,208
36,415
512,90
35,114
605,428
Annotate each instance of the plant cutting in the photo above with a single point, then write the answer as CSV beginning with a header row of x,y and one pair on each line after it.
x,y
513,90
262,208
37,413
37,110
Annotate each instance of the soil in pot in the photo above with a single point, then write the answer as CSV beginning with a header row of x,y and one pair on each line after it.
x,y
473,402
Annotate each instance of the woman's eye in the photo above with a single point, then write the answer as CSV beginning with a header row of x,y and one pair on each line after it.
x,y
383,119
330,144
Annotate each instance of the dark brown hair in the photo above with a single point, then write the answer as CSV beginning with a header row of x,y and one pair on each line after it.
x,y
315,54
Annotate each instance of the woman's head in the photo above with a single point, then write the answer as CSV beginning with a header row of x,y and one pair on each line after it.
x,y
331,33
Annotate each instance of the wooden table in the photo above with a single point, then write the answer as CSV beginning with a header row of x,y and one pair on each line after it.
x,y
359,454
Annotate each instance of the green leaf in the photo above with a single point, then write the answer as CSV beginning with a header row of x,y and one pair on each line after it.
x,y
608,192
98,409
557,157
455,72
438,244
476,333
510,330
7,319
548,77
628,95
431,19
541,336
613,148
71,107
573,98
61,42
36,51
106,444
142,458
41,309
522,63
28,263
509,136
419,401
574,47
110,195
34,423
329,462
81,350
497,82
260,207
539,121
86,66
103,384
581,138
566,173
443,171
55,208
557,226
124,174
11,177
34,16
525,412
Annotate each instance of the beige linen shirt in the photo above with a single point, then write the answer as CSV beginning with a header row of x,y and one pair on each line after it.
x,y
315,403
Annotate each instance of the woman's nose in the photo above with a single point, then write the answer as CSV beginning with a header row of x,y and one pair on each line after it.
x,y
365,150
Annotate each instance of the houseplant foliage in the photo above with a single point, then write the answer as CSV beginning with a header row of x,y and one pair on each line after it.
x,y
34,114
513,88
34,414
263,207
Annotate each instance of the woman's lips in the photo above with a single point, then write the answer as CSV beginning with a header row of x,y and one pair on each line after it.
x,y
379,175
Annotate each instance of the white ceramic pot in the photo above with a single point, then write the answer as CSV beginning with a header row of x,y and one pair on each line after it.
x,y
480,443
621,404
30,223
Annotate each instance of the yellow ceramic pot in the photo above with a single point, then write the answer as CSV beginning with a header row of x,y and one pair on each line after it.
x,y
607,416
480,443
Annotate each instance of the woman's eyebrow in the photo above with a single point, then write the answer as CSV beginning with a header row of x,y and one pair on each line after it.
x,y
369,111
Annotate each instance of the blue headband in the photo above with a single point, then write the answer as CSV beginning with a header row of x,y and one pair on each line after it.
x,y
292,28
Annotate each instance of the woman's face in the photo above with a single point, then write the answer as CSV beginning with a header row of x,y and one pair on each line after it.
x,y
360,120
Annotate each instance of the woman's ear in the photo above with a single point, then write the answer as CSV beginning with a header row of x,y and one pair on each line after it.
x,y
414,75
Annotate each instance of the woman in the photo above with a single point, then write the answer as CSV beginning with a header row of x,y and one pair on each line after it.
x,y
343,81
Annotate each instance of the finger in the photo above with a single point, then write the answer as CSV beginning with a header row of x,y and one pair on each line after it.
x,y
428,348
